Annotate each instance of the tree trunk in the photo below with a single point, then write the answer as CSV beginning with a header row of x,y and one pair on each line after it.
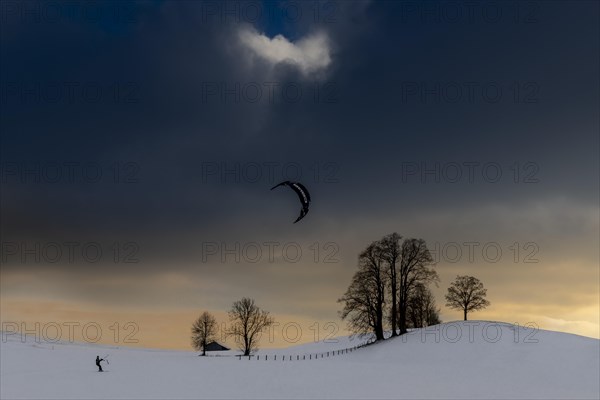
x,y
379,325
379,331
465,310
394,309
402,314
246,346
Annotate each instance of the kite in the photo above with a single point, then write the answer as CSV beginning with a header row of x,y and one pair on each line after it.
x,y
302,193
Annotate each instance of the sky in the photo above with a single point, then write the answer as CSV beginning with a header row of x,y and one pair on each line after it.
x,y
139,141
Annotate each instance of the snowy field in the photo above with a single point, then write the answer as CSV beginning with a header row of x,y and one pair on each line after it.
x,y
452,360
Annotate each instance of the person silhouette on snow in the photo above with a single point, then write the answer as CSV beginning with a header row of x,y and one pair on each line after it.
x,y
98,361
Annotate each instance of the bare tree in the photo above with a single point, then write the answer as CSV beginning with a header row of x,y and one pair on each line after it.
x,y
248,322
204,331
364,301
422,310
432,313
390,246
466,293
415,268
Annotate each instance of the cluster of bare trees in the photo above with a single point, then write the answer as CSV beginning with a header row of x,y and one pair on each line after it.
x,y
421,310
247,322
390,288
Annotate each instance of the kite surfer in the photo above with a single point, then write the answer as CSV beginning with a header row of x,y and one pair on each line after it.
x,y
98,361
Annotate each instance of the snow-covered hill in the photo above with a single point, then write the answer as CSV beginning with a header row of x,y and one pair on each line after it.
x,y
474,359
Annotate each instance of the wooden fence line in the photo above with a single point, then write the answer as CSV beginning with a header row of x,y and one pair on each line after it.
x,y
310,355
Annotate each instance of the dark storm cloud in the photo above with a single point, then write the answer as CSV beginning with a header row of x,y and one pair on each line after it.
x,y
414,117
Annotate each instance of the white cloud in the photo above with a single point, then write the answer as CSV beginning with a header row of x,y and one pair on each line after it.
x,y
310,54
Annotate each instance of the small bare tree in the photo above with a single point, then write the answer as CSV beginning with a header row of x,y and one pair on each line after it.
x,y
248,321
204,331
466,293
422,311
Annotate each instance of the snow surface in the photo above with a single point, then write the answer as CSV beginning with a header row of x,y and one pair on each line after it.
x,y
488,360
